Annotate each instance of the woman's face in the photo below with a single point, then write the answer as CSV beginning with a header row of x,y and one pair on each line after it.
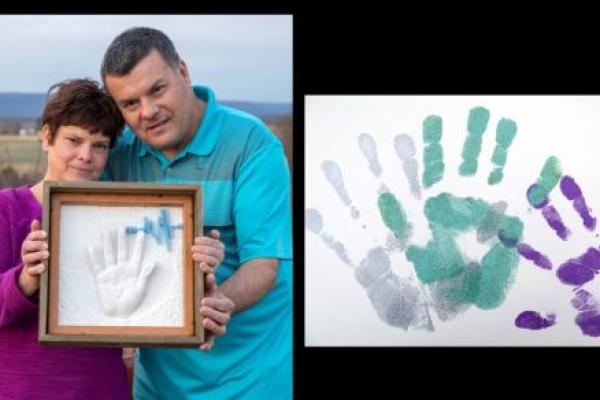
x,y
75,155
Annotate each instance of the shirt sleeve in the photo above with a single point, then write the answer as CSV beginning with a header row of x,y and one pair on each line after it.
x,y
14,305
262,209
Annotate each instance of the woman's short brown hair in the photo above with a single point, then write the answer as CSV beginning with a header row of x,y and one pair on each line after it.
x,y
82,103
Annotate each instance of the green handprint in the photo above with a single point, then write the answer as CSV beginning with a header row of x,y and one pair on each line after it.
x,y
481,283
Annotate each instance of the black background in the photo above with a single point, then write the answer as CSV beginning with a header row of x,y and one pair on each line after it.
x,y
425,48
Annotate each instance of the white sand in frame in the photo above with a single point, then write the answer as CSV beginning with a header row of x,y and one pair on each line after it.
x,y
78,296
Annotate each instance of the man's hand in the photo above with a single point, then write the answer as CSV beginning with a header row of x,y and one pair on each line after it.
x,y
215,309
208,251
33,252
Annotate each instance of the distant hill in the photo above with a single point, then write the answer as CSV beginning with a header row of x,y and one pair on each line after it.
x,y
30,106
21,105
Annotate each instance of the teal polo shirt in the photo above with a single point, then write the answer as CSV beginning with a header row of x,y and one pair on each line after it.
x,y
244,175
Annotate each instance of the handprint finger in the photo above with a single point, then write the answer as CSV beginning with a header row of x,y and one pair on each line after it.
x,y
580,270
146,272
369,150
334,176
95,258
121,246
389,207
314,223
497,271
546,182
109,255
138,248
406,150
433,157
505,133
533,255
588,318
538,196
572,192
476,126
533,320
394,218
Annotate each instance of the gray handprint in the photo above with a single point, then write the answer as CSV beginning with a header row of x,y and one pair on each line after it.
x,y
448,280
398,302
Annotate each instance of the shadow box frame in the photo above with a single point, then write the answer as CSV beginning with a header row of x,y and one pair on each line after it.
x,y
120,194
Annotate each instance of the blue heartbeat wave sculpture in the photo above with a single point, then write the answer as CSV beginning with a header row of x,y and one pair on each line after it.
x,y
162,229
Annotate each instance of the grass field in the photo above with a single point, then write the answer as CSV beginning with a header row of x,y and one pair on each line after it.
x,y
22,160
17,149
283,128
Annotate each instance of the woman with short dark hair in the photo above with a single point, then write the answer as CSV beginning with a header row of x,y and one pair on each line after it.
x,y
80,124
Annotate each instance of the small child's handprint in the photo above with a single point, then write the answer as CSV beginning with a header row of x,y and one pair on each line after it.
x,y
121,282
576,271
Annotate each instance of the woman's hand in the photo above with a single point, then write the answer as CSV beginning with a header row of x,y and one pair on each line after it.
x,y
33,252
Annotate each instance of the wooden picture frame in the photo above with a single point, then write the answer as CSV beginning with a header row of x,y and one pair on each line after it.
x,y
146,293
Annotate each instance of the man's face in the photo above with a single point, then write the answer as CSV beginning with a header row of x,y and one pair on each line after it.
x,y
156,100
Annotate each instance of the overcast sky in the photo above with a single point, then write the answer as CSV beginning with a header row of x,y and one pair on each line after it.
x,y
242,57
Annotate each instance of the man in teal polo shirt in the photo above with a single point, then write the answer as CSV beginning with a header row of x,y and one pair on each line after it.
x,y
179,133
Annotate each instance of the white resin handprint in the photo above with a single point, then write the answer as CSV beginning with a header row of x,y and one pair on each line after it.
x,y
121,283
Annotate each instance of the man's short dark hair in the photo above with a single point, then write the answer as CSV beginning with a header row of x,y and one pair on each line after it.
x,y
132,45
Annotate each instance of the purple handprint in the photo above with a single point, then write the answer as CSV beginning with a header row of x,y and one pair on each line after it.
x,y
576,271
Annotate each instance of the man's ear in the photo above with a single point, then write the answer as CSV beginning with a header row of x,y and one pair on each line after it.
x,y
45,137
183,70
